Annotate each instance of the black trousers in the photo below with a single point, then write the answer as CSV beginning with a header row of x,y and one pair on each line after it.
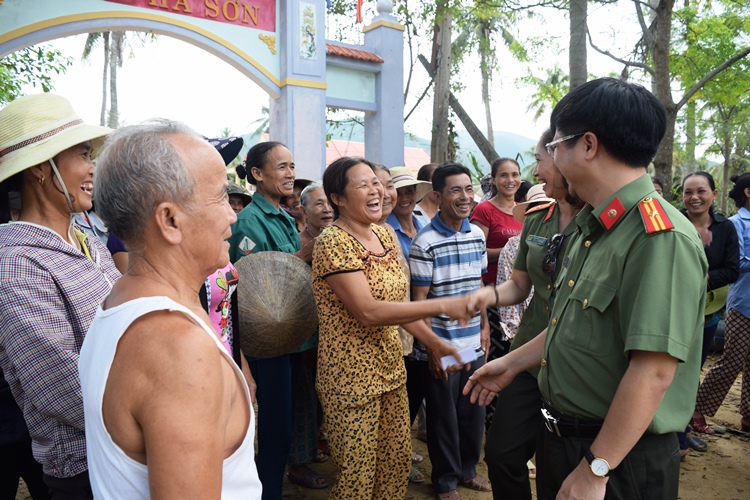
x,y
16,461
650,471
70,488
455,428
512,438
415,385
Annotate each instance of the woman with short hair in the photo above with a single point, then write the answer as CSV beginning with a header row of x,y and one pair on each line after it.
x,y
360,291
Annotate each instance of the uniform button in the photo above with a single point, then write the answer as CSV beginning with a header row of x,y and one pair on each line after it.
x,y
546,308
549,286
554,321
585,302
612,213
544,362
571,283
647,199
587,243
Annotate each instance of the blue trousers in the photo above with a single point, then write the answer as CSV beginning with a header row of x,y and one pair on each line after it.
x,y
274,395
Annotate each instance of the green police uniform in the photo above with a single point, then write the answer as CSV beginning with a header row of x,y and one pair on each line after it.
x,y
538,228
511,440
261,227
626,285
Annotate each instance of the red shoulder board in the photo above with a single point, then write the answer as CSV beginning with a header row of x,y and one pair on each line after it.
x,y
612,213
654,217
550,211
539,208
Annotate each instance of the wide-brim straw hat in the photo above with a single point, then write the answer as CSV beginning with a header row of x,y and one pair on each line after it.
x,y
35,128
534,197
716,299
403,177
277,311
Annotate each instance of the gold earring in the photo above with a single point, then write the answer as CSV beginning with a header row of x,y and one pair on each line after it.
x,y
41,181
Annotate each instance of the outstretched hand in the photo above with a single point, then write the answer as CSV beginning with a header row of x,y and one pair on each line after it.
x,y
481,299
458,309
486,382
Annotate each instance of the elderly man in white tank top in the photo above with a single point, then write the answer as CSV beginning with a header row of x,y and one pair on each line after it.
x,y
168,412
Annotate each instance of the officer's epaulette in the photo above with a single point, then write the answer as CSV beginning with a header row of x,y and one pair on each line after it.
x,y
550,207
655,219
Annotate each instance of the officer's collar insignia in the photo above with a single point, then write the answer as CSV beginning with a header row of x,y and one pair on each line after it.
x,y
612,213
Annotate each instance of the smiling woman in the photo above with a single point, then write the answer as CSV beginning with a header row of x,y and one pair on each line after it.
x,y
53,277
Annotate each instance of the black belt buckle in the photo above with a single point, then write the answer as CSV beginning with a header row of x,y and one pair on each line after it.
x,y
550,422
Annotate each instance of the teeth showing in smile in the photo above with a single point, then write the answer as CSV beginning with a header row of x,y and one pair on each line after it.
x,y
88,187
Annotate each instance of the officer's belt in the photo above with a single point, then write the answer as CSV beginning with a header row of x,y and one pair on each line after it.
x,y
562,425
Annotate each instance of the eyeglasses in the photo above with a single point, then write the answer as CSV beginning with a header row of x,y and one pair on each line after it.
x,y
554,244
551,147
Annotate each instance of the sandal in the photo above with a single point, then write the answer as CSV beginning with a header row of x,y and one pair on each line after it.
x,y
698,424
310,479
415,476
320,457
477,483
696,444
451,495
416,458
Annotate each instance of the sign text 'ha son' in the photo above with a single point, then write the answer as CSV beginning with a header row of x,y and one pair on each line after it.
x,y
259,14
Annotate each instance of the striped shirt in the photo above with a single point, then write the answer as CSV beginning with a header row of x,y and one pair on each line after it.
x,y
451,263
49,293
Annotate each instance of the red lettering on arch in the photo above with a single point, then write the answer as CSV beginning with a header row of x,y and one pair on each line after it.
x,y
259,14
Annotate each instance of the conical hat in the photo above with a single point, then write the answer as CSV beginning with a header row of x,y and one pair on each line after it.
x,y
276,306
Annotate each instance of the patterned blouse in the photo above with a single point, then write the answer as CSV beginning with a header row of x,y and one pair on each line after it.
x,y
354,359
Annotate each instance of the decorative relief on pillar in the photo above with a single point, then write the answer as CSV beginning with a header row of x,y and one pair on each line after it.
x,y
307,47
269,40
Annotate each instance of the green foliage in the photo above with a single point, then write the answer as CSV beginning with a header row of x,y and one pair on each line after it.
x,y
31,66
549,90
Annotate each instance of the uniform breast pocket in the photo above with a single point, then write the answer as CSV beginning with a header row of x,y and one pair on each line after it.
x,y
591,309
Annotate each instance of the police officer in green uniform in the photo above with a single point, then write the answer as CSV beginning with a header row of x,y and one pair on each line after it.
x,y
511,440
621,356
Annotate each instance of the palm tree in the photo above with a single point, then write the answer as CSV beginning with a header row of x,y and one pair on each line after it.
x,y
114,46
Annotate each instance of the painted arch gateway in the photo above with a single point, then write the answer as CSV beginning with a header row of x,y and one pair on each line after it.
x,y
278,44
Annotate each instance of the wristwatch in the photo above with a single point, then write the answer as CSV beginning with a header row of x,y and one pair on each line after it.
x,y
599,466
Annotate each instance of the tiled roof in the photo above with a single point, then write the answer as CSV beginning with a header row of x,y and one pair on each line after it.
x,y
414,158
337,50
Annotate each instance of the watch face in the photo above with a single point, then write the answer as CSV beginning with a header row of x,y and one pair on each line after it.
x,y
599,467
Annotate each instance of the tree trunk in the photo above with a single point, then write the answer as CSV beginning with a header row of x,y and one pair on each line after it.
x,y
690,127
486,64
114,62
663,91
485,146
103,113
726,149
577,47
442,64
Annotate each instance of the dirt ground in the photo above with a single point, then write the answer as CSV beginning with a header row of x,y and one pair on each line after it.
x,y
721,473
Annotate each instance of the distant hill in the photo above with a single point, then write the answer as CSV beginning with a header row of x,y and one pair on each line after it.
x,y
506,144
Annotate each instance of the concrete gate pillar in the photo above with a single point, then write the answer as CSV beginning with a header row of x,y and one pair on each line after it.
x,y
298,117
384,129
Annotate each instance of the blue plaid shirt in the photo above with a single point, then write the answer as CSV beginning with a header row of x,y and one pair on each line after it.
x,y
49,293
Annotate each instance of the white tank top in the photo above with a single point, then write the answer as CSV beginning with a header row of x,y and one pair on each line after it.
x,y
112,473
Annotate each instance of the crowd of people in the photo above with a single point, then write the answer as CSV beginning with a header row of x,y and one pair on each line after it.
x,y
565,322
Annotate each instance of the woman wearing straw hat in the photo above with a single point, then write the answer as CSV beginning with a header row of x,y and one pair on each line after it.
x,y
360,289
52,278
402,218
